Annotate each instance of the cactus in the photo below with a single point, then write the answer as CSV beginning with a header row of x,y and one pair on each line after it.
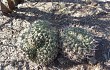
x,y
40,42
77,43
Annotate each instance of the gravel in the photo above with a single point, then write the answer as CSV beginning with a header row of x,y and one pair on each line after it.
x,y
85,16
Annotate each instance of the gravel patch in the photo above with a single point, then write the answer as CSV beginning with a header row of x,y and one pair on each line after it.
x,y
79,15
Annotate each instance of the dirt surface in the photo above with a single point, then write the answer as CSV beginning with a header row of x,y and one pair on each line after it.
x,y
94,17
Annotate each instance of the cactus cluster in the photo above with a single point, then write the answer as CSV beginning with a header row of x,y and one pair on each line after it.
x,y
40,42
76,42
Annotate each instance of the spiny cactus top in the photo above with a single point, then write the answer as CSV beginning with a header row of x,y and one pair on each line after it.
x,y
76,42
40,42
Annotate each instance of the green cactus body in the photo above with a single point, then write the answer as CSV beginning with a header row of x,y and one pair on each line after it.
x,y
40,42
76,42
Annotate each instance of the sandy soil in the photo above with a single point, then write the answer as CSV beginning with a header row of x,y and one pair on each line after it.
x,y
94,17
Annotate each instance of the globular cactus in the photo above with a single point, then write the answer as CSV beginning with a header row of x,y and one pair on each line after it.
x,y
40,42
77,43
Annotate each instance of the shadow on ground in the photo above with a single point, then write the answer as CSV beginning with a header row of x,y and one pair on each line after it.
x,y
62,20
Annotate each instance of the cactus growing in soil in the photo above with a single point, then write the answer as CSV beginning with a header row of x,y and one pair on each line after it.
x,y
77,43
40,42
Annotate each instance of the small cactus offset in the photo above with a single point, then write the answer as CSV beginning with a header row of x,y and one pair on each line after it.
x,y
40,42
77,43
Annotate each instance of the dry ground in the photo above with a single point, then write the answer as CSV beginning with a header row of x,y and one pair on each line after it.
x,y
88,16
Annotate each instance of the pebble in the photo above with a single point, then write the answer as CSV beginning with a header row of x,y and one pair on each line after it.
x,y
12,53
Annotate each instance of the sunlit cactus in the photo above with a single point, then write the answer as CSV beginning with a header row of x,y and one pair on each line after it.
x,y
40,42
76,42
